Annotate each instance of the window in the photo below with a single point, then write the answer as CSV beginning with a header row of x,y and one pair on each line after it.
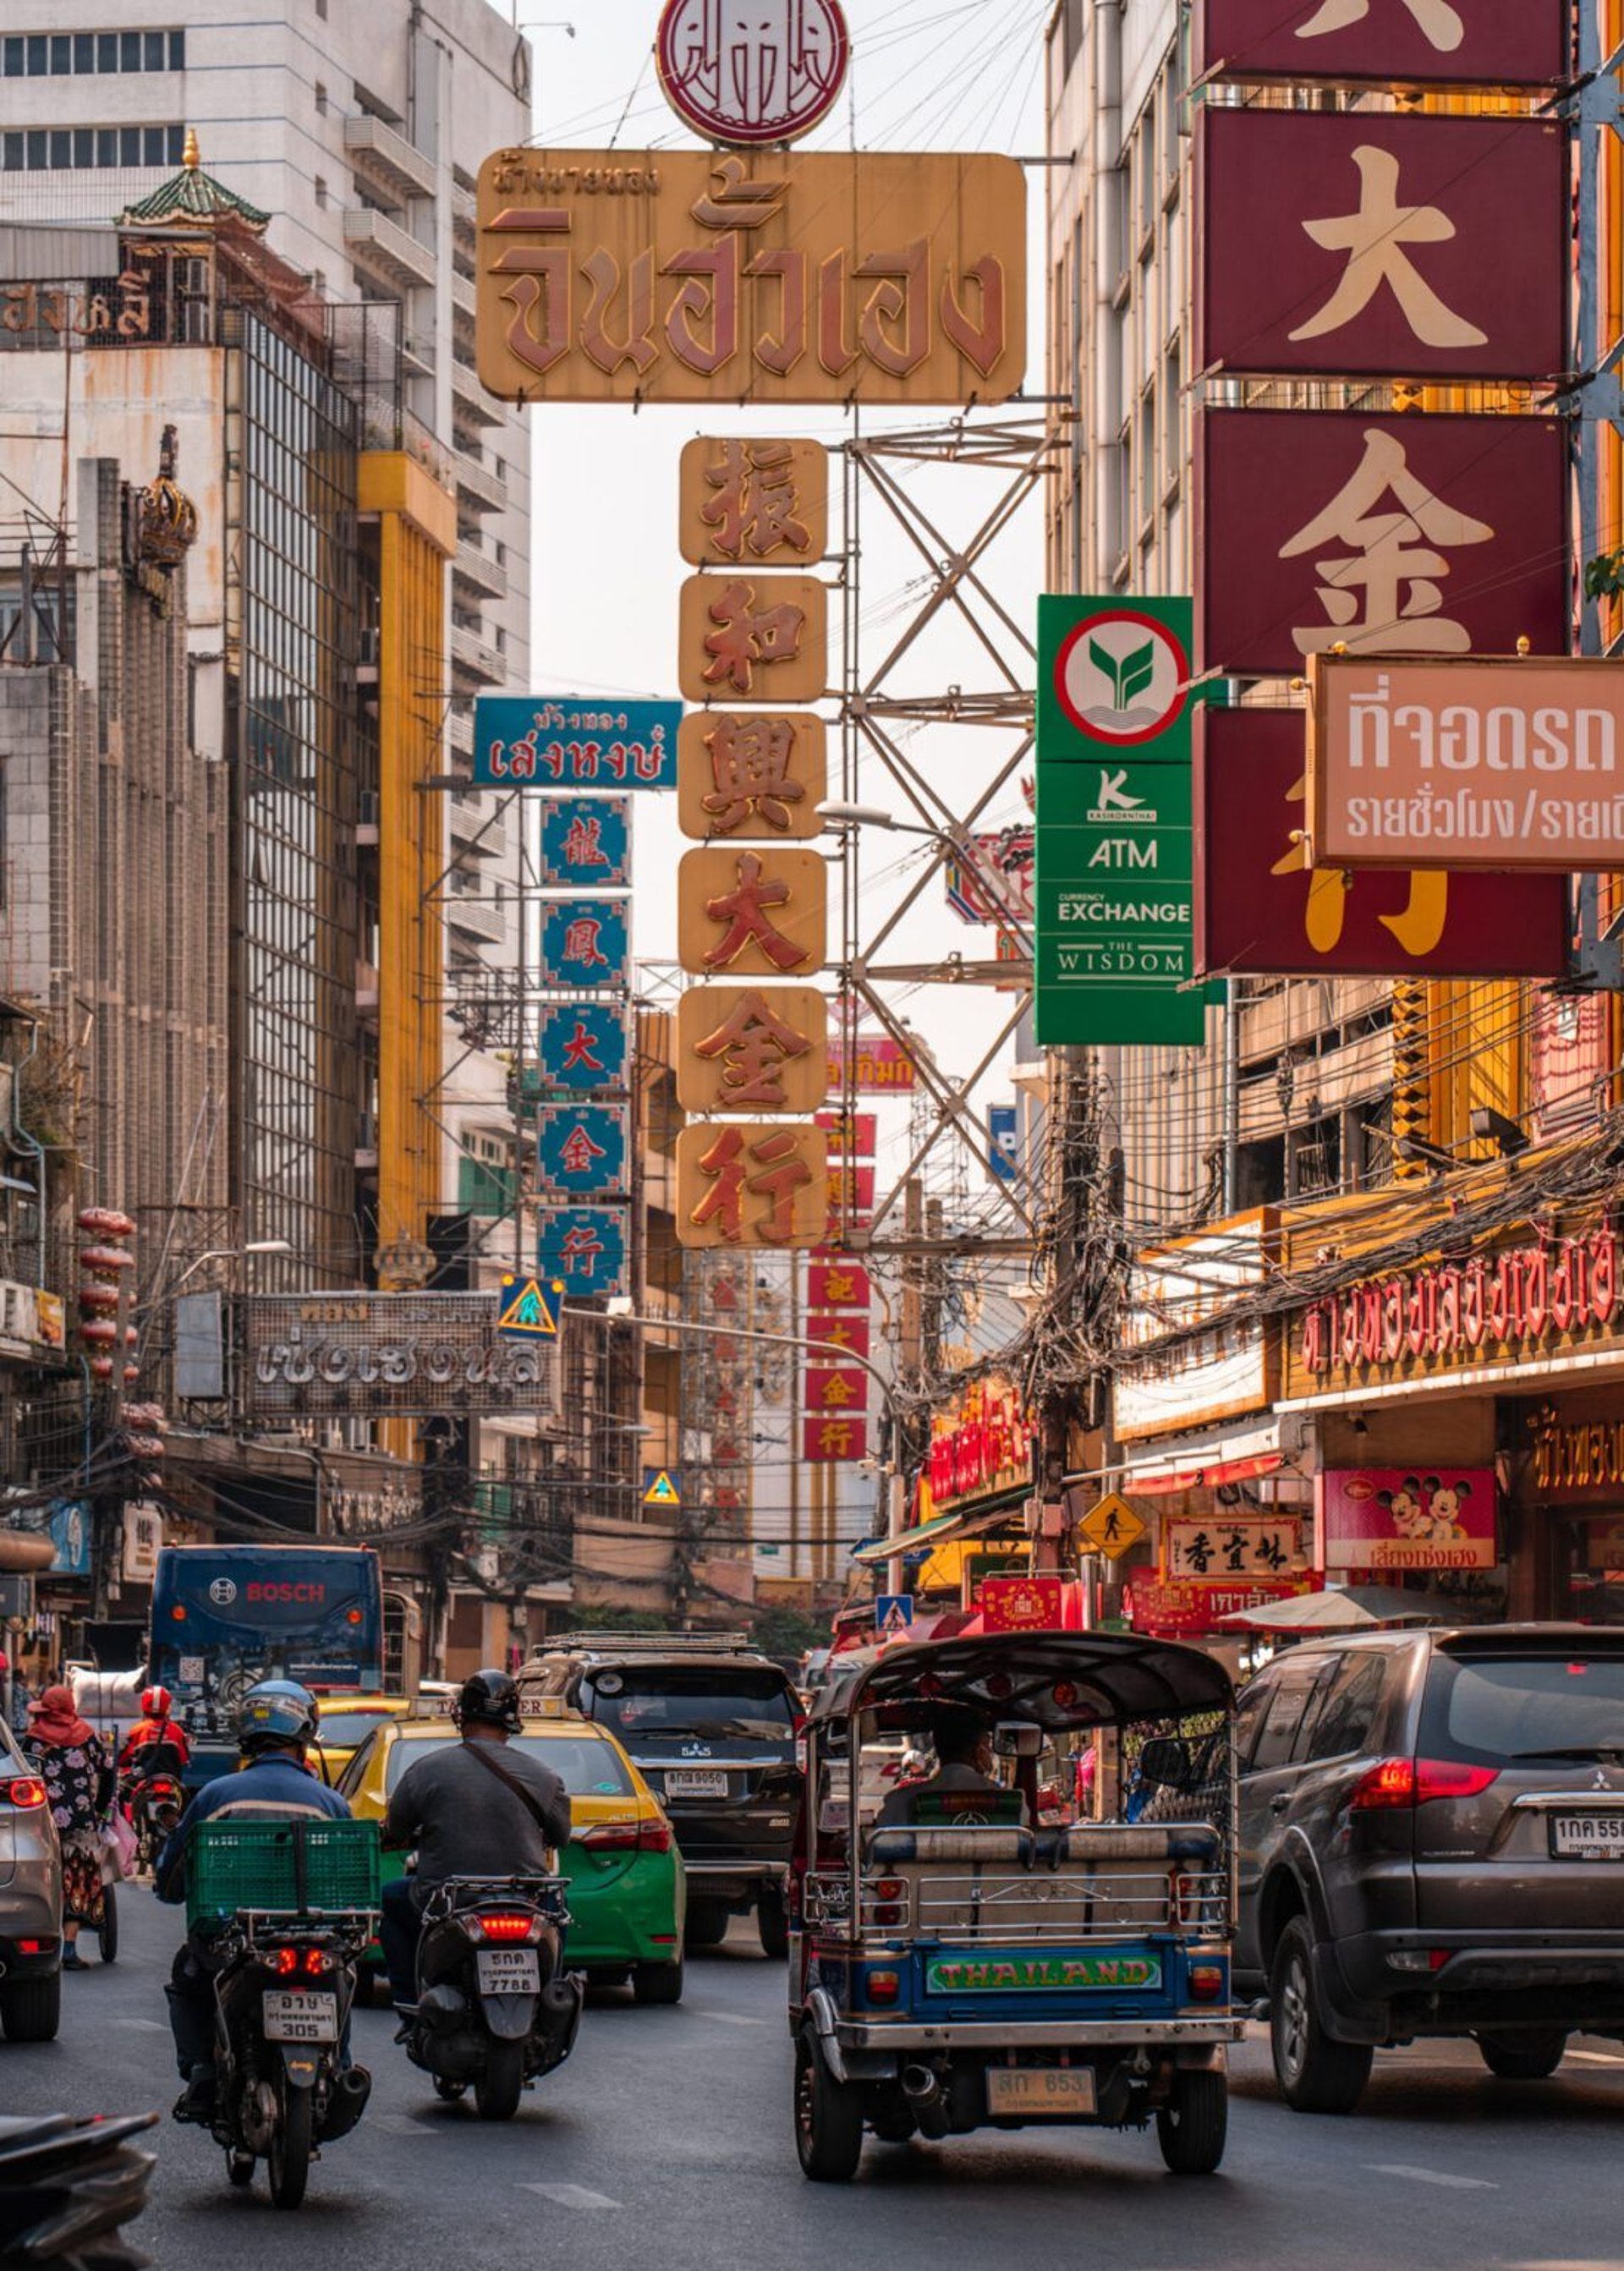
x,y
61,53
321,188
1349,1712
130,51
1492,1709
321,97
1249,1707
1289,1693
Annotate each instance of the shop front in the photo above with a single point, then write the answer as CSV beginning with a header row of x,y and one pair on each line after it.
x,y
1570,1470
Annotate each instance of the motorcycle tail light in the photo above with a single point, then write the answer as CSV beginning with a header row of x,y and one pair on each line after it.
x,y
26,1793
316,1961
283,1961
502,1927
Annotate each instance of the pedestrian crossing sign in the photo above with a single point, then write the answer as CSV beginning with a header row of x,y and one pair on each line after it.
x,y
1112,1527
893,1615
661,1489
529,1310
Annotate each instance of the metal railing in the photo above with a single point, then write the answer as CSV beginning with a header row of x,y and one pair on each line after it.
x,y
1037,1904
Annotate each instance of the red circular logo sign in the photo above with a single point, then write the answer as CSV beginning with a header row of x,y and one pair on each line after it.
x,y
1121,677
749,74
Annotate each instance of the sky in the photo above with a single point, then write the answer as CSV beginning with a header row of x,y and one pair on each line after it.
x,y
961,76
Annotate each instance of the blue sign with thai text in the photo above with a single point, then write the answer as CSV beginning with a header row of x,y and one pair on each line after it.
x,y
582,1046
574,740
585,843
584,942
584,1247
583,1148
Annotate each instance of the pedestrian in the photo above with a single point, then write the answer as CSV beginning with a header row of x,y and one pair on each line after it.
x,y
77,1773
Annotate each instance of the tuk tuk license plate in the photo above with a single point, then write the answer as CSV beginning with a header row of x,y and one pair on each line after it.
x,y
291,2015
509,1972
1587,1836
1029,2089
696,1781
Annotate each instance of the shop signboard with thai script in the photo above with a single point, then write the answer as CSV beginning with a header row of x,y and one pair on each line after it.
x,y
1501,764
571,741
872,1064
1574,1458
376,1355
1225,1548
1184,1611
1414,247
981,1446
1439,535
680,276
1451,42
1379,1518
1261,909
1211,1371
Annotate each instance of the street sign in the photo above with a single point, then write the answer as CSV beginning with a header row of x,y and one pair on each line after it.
x,y
1003,1140
893,1615
660,1487
571,741
1111,1528
529,1311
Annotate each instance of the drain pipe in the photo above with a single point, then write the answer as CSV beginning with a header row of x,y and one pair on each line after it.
x,y
1105,139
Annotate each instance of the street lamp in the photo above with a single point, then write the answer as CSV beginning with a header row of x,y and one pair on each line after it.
x,y
226,1254
870,816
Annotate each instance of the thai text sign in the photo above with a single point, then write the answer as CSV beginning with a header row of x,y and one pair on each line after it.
x,y
680,276
751,773
1261,908
1474,764
1417,246
1218,1552
1374,1518
329,1355
744,1048
1179,1611
1574,1457
741,1184
1227,1367
748,503
1460,43
539,741
1411,536
872,1064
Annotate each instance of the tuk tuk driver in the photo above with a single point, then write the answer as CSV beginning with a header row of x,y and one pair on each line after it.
x,y
964,1748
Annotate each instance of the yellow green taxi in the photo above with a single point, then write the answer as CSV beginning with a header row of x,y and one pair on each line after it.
x,y
628,1894
347,1720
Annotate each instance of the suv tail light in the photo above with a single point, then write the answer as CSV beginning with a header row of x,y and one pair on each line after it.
x,y
1402,1783
26,1793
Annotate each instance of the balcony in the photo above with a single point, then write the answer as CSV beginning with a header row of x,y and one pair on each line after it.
x,y
384,156
469,396
465,211
480,919
476,658
459,731
464,297
477,482
475,823
480,572
384,248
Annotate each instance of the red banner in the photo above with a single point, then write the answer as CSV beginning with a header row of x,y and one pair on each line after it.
x,y
840,1335
841,1387
880,1066
1181,1611
1030,1605
1484,42
836,1285
1260,910
833,1436
1419,536
1409,246
851,1134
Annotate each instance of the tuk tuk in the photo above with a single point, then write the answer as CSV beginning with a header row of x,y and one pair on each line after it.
x,y
956,1966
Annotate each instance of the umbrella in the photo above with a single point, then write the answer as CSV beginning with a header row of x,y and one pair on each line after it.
x,y
1396,1604
1306,1612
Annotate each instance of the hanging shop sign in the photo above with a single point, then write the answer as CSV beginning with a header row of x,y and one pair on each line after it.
x,y
1381,1518
1021,1604
742,77
752,914
752,1048
980,1447
997,881
835,1388
584,942
852,1135
585,843
835,1337
752,503
143,1541
377,1355
583,1149
752,773
872,1064
741,1184
851,1192
1225,1548
678,276
585,1248
70,1527
1171,1611
1512,764
1216,1370
543,741
1414,247
1455,42
833,1438
584,1045
837,1285
753,638
1261,909
1425,536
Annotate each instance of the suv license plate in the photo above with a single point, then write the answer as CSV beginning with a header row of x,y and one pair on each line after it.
x,y
290,2015
509,1972
1587,1836
696,1781
1037,2090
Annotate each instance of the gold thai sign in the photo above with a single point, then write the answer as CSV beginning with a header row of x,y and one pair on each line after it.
x,y
753,638
752,1048
741,1184
751,773
754,503
683,277
747,913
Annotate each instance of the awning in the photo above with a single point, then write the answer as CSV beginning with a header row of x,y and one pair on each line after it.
x,y
1220,1454
1164,1483
941,1528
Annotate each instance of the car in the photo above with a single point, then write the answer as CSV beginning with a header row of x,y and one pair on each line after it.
x,y
628,1894
1431,1844
347,1720
714,1725
30,1902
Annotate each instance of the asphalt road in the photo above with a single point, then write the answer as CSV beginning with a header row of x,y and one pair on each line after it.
x,y
667,2140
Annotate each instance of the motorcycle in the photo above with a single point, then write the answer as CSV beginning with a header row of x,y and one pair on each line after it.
x,y
154,1798
495,2006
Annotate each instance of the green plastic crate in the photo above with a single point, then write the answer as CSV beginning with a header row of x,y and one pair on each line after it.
x,y
281,1868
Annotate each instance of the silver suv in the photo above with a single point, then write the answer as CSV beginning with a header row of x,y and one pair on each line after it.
x,y
30,1902
1432,1843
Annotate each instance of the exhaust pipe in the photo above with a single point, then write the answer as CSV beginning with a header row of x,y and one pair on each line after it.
x,y
922,2088
347,2103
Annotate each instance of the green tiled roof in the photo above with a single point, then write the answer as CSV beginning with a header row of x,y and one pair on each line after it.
x,y
193,195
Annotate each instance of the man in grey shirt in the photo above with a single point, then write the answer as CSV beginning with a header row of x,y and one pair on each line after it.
x,y
964,1746
458,1808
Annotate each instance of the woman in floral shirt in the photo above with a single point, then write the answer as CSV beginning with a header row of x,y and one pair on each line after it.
x,y
78,1775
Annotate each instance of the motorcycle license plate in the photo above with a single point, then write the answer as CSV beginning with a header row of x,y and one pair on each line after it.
x,y
696,1781
510,1972
1039,2089
292,2015
1587,1836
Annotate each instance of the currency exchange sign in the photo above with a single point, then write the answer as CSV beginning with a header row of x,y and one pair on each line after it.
x,y
1413,247
1455,42
680,276
1114,926
543,741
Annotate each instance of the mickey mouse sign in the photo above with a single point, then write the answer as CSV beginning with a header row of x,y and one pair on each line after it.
x,y
1391,1518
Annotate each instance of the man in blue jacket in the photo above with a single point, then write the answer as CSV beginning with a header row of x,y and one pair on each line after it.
x,y
277,1725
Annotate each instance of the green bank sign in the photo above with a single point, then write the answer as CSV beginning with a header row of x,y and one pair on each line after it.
x,y
1005,1975
1114,902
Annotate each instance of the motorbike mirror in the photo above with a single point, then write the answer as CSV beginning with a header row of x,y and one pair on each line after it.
x,y
1167,1764
1015,1739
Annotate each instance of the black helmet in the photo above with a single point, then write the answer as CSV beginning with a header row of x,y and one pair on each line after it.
x,y
277,1715
490,1697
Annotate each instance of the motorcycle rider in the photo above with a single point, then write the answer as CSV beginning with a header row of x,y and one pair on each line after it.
x,y
461,1809
154,1727
276,1724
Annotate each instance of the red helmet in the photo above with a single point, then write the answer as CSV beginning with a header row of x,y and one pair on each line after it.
x,y
155,1702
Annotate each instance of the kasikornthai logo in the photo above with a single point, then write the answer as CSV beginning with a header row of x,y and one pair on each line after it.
x,y
1121,677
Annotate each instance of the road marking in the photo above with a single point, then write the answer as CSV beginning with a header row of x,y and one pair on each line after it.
x,y
571,2195
412,2124
1431,2177
141,2026
724,2018
1596,2057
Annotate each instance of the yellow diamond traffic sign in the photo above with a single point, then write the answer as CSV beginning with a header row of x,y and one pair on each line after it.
x,y
529,1311
1112,1527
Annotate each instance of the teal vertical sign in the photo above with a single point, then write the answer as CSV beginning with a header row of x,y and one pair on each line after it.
x,y
1115,929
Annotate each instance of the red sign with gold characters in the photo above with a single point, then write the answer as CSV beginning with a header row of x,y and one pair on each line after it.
x,y
1453,42
744,76
1028,1604
837,1285
1180,1612
832,1437
1377,1518
984,1445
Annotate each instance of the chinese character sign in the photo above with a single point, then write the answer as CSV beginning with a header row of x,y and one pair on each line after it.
x,y
1220,1551
540,740
1413,246
585,843
743,1048
1490,43
754,504
1436,535
743,1184
583,1046
584,942
679,276
835,1388
748,913
837,1336
837,1285
583,1148
584,1248
753,638
833,1436
751,773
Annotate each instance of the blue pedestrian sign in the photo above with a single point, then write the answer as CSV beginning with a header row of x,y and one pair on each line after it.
x,y
583,1149
584,942
585,1247
583,1046
893,1615
574,740
1003,1140
529,1310
585,843
660,1487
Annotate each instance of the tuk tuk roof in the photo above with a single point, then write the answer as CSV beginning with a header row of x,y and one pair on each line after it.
x,y
1056,1680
